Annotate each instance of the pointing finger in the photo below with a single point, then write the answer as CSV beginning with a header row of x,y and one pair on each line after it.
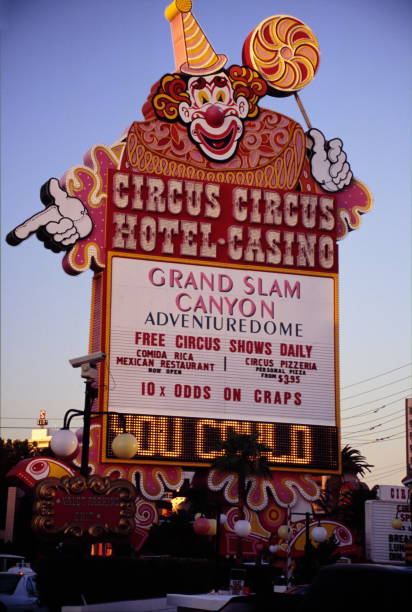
x,y
23,231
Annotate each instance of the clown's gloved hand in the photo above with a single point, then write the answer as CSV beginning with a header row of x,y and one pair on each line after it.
x,y
328,162
60,225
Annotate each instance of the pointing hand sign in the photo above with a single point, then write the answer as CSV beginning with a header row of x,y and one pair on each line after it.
x,y
61,224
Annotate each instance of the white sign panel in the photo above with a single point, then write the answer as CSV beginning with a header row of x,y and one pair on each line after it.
x,y
205,341
384,544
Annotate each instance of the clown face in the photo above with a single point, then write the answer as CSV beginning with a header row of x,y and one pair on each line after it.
x,y
214,117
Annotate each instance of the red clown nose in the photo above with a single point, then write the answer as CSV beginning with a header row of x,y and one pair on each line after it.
x,y
214,116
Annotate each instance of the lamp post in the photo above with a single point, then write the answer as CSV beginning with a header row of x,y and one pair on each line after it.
x,y
64,444
89,395
319,535
87,363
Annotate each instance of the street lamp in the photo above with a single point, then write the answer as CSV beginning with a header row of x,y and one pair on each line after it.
x,y
87,363
64,443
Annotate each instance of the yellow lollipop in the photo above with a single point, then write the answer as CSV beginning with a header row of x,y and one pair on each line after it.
x,y
284,51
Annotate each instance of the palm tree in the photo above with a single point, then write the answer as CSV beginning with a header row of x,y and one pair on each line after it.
x,y
339,487
353,462
243,455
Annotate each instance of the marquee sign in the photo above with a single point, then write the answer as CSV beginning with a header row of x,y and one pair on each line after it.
x,y
80,507
190,345
212,227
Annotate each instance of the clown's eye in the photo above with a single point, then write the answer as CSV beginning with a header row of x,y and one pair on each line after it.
x,y
203,97
220,96
219,81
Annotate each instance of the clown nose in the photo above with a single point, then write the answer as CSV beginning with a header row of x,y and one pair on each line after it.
x,y
214,116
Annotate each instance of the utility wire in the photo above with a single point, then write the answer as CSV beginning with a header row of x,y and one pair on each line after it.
x,y
377,376
27,418
356,436
389,467
369,422
385,439
376,388
379,476
378,399
355,416
393,469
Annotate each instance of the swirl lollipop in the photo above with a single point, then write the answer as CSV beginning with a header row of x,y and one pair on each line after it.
x,y
285,52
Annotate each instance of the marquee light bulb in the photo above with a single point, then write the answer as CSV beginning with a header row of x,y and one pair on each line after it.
x,y
125,446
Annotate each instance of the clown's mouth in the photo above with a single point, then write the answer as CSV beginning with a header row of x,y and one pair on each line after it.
x,y
219,144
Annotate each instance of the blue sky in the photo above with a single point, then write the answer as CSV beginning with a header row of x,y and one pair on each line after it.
x,y
76,73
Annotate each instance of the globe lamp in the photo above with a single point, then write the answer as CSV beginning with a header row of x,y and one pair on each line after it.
x,y
201,526
284,532
125,446
273,548
64,444
397,523
319,534
242,528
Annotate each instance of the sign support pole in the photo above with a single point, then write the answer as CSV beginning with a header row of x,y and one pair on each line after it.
x,y
90,394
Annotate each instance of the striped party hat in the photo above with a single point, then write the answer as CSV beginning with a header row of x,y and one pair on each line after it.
x,y
193,52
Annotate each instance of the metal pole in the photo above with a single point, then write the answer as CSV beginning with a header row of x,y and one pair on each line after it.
x,y
307,542
307,533
88,400
288,559
217,549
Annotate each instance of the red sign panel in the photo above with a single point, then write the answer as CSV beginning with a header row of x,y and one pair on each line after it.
x,y
225,223
75,506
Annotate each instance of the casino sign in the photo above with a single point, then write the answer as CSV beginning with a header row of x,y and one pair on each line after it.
x,y
211,227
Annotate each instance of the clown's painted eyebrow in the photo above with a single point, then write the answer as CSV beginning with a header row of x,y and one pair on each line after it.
x,y
200,83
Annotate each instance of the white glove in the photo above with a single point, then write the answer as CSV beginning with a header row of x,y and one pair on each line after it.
x,y
328,162
63,222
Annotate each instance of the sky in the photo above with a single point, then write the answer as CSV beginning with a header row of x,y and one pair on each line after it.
x,y
76,73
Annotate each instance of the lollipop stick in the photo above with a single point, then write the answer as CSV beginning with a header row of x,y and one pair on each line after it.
x,y
302,110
